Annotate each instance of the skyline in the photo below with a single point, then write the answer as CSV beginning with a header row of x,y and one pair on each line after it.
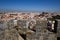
x,y
31,5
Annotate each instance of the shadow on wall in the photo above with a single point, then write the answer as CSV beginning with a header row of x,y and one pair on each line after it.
x,y
58,38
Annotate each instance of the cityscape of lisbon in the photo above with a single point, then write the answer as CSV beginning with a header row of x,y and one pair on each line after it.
x,y
29,19
18,25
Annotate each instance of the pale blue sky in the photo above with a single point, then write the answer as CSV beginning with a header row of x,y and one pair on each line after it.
x,y
37,5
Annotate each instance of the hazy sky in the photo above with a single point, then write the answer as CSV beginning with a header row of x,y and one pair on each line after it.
x,y
37,5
